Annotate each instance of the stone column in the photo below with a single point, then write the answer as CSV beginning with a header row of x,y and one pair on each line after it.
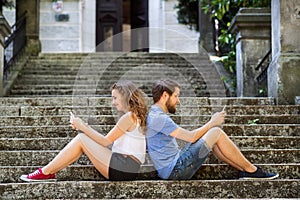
x,y
4,32
253,29
284,70
156,26
32,23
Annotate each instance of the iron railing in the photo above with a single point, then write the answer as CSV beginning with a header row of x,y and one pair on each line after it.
x,y
263,67
14,44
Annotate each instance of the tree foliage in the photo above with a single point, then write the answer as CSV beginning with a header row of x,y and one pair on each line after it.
x,y
223,11
8,3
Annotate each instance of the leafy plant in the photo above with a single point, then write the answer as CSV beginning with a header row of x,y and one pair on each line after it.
x,y
188,13
8,3
223,11
253,121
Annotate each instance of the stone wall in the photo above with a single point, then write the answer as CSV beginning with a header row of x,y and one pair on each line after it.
x,y
60,36
88,25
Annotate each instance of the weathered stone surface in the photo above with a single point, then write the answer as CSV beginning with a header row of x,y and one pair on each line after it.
x,y
152,189
111,120
206,172
37,158
231,129
98,109
99,100
43,101
9,110
243,142
193,70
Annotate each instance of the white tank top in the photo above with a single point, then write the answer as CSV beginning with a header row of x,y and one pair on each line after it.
x,y
131,143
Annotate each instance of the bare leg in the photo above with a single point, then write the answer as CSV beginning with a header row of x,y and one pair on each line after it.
x,y
226,150
220,156
100,156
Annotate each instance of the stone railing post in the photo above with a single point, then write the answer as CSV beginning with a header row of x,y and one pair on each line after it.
x,y
253,41
284,70
4,32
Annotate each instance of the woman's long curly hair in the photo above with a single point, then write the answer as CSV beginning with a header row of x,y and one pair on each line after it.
x,y
135,99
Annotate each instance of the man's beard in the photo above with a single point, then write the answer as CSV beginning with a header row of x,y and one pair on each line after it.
x,y
171,108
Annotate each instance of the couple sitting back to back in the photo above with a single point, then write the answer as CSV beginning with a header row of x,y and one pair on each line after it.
x,y
136,127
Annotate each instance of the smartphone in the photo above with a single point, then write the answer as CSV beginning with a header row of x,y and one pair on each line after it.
x,y
224,108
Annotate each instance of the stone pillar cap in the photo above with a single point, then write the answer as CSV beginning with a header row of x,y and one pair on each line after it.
x,y
251,18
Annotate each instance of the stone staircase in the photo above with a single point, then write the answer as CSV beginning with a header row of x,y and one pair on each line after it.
x,y
93,74
34,126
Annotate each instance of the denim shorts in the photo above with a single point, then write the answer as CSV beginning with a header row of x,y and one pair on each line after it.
x,y
191,157
123,168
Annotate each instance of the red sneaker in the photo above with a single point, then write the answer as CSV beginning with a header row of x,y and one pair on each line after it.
x,y
38,176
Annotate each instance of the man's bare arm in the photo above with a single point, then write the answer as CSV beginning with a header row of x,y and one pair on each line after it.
x,y
192,136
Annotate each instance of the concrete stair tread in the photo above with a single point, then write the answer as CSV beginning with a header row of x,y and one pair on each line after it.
x,y
74,86
206,172
91,93
186,110
100,100
42,157
158,189
65,130
243,142
102,63
109,119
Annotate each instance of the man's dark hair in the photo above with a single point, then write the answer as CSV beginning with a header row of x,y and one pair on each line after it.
x,y
159,87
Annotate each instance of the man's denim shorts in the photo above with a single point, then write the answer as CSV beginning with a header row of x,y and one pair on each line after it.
x,y
192,156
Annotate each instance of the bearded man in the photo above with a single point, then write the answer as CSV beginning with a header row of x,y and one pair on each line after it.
x,y
181,164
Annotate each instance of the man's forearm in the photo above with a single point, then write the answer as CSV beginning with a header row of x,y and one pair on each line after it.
x,y
199,132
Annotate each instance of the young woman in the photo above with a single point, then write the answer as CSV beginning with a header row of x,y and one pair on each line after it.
x,y
123,161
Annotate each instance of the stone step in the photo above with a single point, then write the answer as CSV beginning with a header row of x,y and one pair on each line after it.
x,y
107,81
181,110
104,78
113,71
48,65
94,92
155,189
283,130
101,86
118,64
134,68
96,55
113,61
119,55
11,174
243,142
181,120
98,100
42,157
97,77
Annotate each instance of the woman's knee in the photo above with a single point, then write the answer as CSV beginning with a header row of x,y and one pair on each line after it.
x,y
83,138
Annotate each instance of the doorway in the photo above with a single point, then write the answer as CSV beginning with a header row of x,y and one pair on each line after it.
x,y
120,16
